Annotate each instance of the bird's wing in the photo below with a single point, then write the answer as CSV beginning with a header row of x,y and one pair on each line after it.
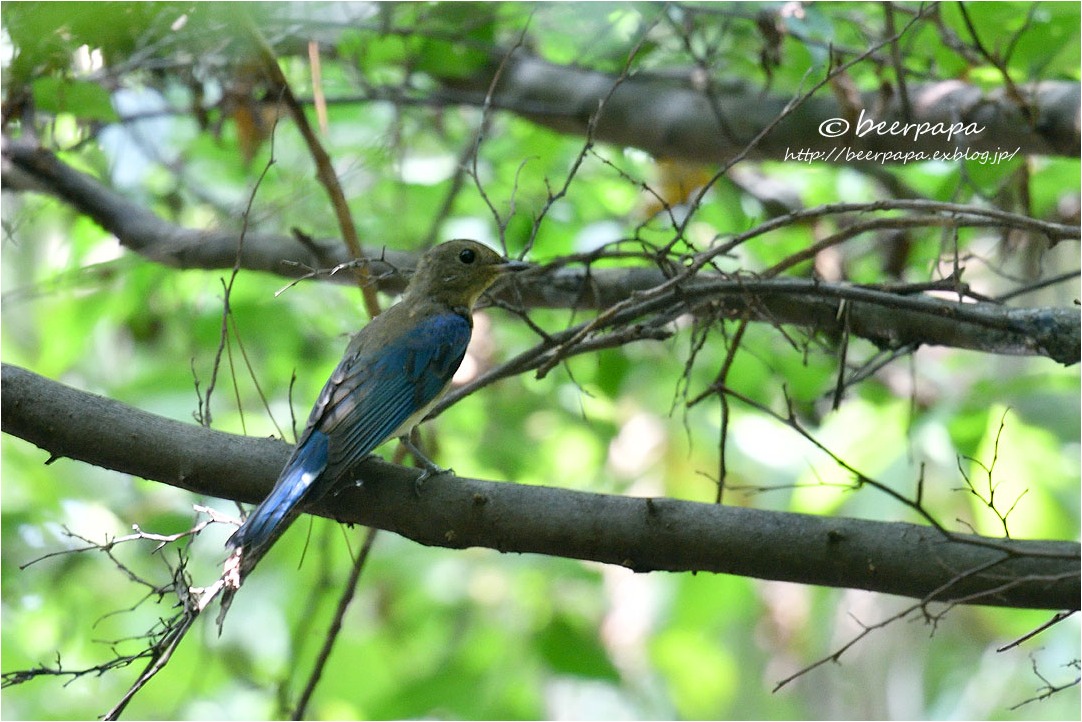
x,y
375,390
373,394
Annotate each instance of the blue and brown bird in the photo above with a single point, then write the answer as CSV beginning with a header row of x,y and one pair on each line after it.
x,y
392,374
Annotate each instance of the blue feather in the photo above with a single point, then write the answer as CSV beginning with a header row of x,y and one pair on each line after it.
x,y
304,467
373,395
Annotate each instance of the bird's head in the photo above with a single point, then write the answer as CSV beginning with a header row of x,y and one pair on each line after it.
x,y
458,272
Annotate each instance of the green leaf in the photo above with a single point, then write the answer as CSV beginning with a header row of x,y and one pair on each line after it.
x,y
572,650
474,28
81,98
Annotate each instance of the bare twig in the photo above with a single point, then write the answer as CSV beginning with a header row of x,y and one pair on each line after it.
x,y
165,636
987,496
1047,688
1056,619
324,168
336,625
223,337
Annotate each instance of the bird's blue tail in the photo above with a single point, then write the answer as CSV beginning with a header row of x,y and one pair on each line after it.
x,y
268,520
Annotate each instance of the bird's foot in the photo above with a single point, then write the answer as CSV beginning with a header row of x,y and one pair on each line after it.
x,y
429,468
427,473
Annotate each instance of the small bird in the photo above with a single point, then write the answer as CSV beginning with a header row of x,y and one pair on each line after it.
x,y
393,372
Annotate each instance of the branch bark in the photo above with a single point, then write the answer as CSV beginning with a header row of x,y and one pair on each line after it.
x,y
29,167
641,534
887,319
672,118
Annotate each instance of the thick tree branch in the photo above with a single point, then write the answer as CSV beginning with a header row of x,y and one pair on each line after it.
x,y
672,118
642,534
887,319
28,167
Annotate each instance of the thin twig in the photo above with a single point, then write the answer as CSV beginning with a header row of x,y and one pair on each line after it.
x,y
324,168
336,626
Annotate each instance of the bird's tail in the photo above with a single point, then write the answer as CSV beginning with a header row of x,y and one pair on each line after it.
x,y
264,525
271,518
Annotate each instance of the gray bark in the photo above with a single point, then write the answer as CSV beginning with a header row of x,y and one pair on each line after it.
x,y
673,118
643,534
888,319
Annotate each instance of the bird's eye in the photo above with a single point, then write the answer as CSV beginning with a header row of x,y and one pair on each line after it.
x,y
467,255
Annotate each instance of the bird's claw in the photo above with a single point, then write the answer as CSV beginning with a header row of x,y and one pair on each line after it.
x,y
430,470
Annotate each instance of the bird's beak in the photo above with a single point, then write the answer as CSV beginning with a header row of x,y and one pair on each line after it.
x,y
513,266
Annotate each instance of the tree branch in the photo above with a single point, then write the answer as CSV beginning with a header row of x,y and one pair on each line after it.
x,y
670,117
885,318
642,534
29,167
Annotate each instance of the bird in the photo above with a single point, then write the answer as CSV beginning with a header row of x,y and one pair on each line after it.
x,y
392,373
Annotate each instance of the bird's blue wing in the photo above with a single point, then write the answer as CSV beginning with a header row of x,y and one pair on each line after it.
x,y
380,393
369,397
